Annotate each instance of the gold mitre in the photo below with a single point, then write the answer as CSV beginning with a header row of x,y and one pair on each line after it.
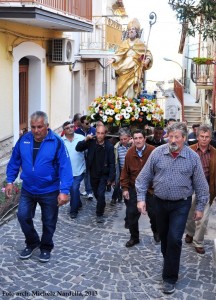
x,y
134,24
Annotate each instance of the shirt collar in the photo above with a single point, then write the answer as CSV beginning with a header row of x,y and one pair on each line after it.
x,y
198,148
182,153
140,151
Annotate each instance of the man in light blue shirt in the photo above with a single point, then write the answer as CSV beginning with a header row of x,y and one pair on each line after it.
x,y
79,166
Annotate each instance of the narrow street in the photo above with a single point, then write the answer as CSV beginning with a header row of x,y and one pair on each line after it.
x,y
90,261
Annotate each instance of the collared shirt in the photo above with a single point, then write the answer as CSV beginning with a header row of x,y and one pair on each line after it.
x,y
173,178
205,160
77,158
140,152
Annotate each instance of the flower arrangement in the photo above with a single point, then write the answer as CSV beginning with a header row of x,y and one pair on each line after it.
x,y
121,111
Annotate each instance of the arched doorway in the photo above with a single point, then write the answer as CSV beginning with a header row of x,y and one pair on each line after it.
x,y
29,82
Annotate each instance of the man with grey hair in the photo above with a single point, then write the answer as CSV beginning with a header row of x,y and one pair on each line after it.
x,y
195,231
176,172
46,175
120,149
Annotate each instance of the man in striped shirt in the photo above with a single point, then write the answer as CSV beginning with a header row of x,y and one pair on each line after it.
x,y
195,231
176,172
120,149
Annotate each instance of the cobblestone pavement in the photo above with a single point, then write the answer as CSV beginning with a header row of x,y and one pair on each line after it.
x,y
90,261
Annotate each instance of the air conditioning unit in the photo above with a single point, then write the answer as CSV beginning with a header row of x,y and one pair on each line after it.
x,y
62,51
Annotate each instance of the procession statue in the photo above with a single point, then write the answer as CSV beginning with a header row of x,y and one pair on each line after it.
x,y
130,62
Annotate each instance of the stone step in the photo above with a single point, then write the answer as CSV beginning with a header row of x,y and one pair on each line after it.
x,y
193,119
192,112
192,107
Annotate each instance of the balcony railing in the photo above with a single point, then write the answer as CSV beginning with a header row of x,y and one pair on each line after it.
x,y
81,8
202,75
106,36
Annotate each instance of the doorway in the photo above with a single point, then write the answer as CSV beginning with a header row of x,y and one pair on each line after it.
x,y
23,94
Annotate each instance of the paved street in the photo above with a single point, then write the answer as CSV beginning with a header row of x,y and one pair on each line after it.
x,y
90,261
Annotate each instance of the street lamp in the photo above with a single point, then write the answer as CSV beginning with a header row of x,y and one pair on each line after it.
x,y
182,71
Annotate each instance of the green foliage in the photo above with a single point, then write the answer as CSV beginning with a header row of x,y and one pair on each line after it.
x,y
202,60
200,16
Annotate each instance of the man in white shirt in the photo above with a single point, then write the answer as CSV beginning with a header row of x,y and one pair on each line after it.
x,y
79,167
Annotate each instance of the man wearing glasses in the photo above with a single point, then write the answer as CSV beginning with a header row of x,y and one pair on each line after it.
x,y
46,175
78,164
86,129
195,231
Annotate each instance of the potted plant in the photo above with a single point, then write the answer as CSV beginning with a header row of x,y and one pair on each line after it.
x,y
203,60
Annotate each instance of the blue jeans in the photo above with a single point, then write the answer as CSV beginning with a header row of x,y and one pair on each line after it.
x,y
87,183
171,220
75,201
49,211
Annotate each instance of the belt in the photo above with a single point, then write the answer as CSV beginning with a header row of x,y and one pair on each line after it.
x,y
174,200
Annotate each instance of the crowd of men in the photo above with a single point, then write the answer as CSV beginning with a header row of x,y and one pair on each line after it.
x,y
168,174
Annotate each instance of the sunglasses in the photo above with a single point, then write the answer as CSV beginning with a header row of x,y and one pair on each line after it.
x,y
69,127
86,123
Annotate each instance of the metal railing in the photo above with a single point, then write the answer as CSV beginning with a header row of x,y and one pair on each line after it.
x,y
202,74
106,35
81,8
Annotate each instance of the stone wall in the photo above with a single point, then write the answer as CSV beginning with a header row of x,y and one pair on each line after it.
x,y
6,146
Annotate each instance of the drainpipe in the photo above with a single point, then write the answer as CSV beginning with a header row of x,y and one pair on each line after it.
x,y
214,95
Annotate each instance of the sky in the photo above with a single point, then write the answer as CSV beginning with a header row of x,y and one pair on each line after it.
x,y
164,36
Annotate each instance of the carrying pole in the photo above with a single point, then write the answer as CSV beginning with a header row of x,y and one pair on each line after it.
x,y
152,21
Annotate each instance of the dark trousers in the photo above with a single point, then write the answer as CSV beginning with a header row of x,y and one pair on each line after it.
x,y
117,192
151,210
49,214
99,188
132,214
171,221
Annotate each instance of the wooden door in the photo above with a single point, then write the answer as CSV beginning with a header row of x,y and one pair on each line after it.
x,y
23,94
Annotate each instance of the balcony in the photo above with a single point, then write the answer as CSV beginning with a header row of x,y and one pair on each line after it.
x,y
203,75
103,41
61,15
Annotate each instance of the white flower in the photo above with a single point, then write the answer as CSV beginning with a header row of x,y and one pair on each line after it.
x,y
112,112
128,109
96,109
136,116
123,111
93,104
127,116
118,106
148,117
117,117
107,111
127,103
104,118
144,108
92,116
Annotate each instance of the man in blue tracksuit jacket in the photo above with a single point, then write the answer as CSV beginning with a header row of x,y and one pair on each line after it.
x,y
47,177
